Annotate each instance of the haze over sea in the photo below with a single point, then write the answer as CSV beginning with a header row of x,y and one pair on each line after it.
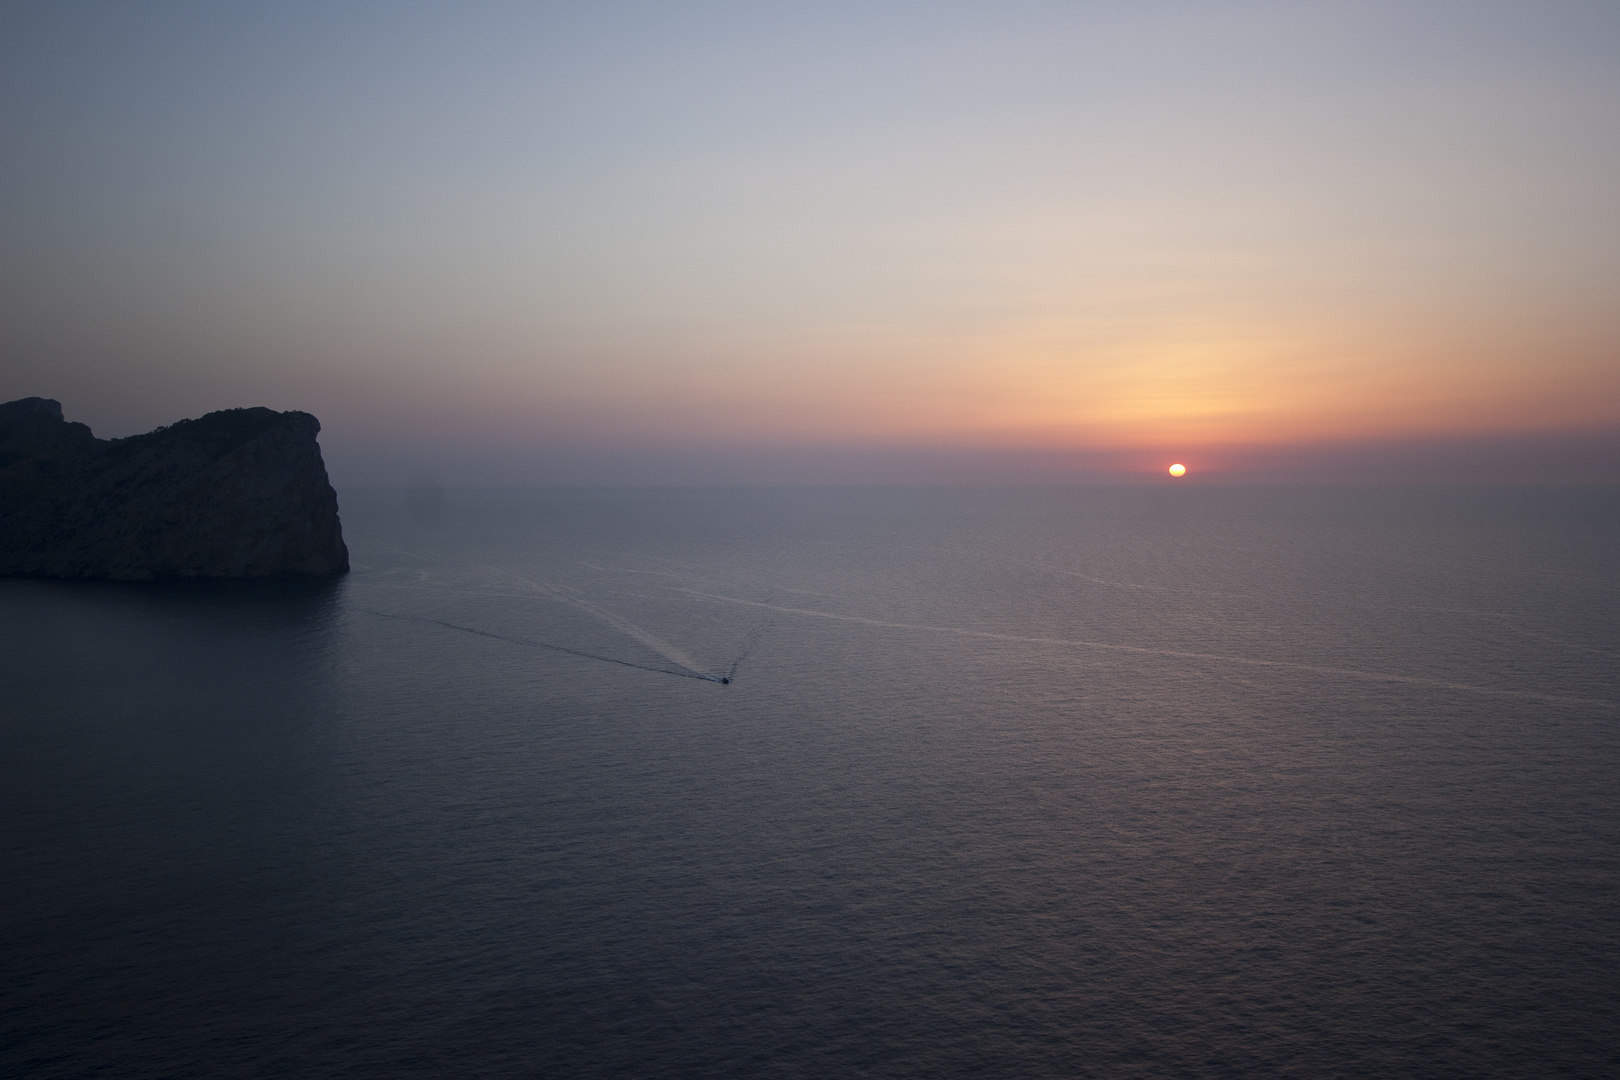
x,y
1113,781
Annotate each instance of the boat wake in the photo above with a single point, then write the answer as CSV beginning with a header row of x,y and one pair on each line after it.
x,y
682,673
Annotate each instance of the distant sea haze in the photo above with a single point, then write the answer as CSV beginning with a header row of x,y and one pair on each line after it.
x,y
1166,780
1575,457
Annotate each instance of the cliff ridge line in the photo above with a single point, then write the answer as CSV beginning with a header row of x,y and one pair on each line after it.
x,y
233,494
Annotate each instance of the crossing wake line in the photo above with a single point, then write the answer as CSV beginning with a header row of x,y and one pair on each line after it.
x,y
701,676
1353,673
748,647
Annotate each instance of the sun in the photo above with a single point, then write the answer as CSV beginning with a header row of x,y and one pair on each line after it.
x,y
1178,469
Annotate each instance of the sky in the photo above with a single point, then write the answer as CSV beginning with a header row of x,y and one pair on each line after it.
x,y
831,242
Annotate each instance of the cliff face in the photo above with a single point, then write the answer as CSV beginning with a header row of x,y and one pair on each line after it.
x,y
239,493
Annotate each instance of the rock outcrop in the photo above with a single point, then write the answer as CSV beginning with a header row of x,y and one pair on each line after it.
x,y
238,493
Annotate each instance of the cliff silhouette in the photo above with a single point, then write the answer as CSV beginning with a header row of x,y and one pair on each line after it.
x,y
233,494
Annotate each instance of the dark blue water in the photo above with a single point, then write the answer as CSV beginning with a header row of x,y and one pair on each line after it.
x,y
1109,782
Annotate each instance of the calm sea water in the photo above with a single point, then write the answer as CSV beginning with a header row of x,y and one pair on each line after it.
x,y
1094,782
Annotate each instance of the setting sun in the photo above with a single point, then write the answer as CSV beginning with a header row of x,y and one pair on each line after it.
x,y
1178,469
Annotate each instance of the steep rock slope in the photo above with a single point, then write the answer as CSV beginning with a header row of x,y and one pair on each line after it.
x,y
238,493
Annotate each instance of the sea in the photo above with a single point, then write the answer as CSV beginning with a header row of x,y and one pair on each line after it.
x,y
1131,781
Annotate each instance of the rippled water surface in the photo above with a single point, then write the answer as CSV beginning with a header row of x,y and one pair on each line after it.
x,y
1092,782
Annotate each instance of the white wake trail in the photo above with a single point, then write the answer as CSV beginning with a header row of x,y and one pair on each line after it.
x,y
1353,673
624,626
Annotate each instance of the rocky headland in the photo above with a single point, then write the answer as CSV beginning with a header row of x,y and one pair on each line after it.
x,y
234,494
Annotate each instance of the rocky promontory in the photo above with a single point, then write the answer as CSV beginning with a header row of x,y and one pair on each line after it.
x,y
238,493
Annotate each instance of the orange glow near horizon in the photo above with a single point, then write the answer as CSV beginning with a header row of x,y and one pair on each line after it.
x,y
889,389
1085,232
